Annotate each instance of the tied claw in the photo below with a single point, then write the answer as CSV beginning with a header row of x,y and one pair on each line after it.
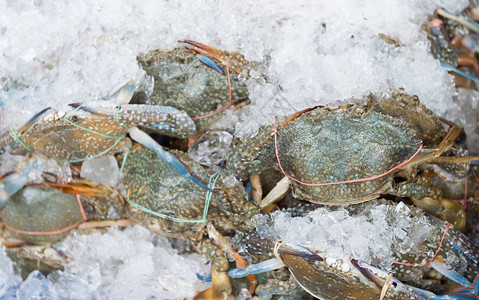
x,y
182,169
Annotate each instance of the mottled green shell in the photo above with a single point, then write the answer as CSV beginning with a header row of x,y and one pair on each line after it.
x,y
155,185
41,209
325,145
332,146
182,81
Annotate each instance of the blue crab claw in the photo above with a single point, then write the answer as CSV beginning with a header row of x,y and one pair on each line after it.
x,y
451,68
264,266
10,183
165,120
210,63
144,139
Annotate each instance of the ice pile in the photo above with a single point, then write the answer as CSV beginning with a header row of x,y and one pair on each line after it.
x,y
129,264
317,52
9,280
378,235
465,114
313,52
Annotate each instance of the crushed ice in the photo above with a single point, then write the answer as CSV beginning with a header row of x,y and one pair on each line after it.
x,y
376,236
314,53
54,53
129,264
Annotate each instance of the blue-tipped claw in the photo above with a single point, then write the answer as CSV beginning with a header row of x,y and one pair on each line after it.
x,y
264,266
126,93
144,139
210,63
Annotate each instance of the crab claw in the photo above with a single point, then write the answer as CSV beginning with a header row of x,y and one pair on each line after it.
x,y
10,183
234,60
144,139
209,63
205,49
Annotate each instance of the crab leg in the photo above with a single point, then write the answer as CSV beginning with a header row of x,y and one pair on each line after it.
x,y
235,60
228,248
144,139
220,286
451,136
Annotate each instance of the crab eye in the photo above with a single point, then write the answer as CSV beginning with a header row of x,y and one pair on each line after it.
x,y
74,119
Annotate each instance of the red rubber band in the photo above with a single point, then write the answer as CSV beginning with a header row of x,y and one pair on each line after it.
x,y
226,107
453,292
51,232
427,264
41,232
81,208
337,182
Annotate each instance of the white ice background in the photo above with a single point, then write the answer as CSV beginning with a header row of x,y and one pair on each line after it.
x,y
57,52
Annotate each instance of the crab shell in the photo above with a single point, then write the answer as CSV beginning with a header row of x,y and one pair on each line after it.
x,y
182,81
42,214
98,128
40,209
154,185
323,146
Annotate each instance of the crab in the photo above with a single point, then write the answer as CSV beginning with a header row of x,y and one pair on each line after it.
x,y
454,44
446,251
41,214
170,205
348,154
196,80
89,130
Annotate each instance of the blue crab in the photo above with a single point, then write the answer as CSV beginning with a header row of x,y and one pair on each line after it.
x,y
446,250
168,204
196,79
98,128
351,153
43,213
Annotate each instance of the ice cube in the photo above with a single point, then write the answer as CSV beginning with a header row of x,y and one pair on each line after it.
x,y
36,286
212,148
102,170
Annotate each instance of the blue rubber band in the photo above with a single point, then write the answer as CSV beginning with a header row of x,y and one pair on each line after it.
x,y
14,135
211,184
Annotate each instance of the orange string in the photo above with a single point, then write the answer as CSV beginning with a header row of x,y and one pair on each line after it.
x,y
337,182
231,101
427,264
